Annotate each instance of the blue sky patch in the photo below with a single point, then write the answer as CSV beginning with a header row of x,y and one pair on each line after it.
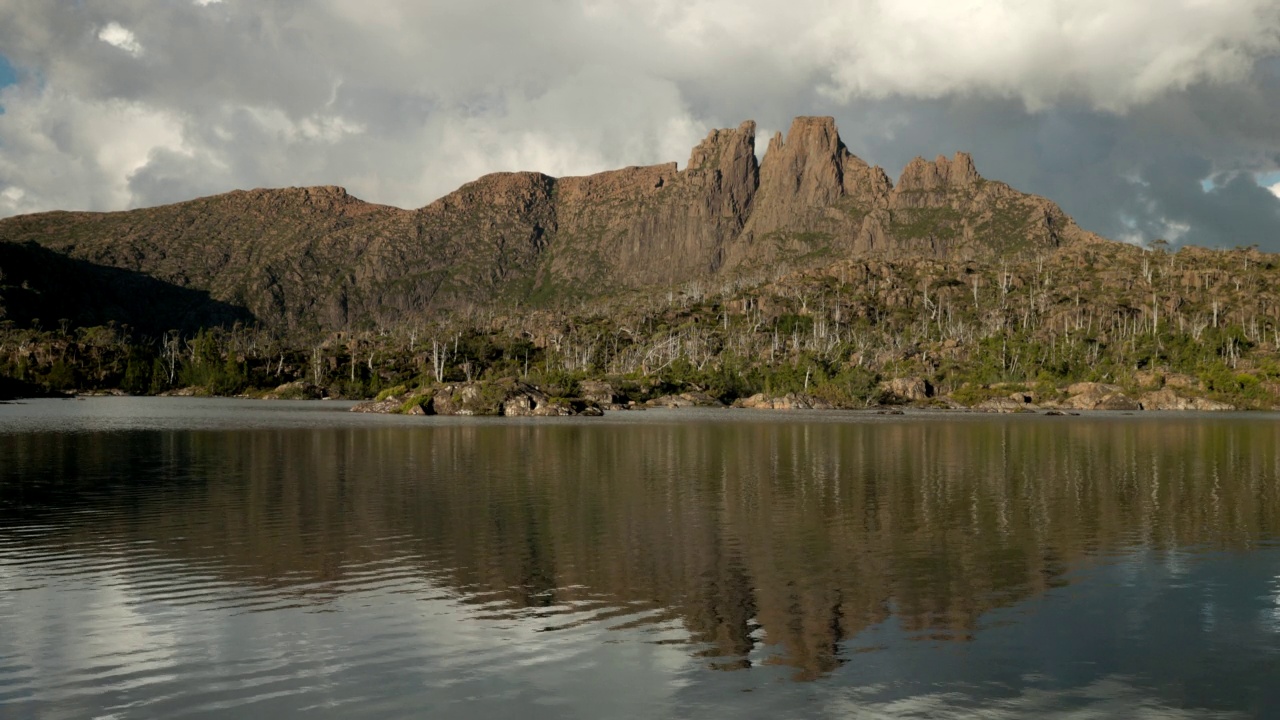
x,y
1266,180
8,75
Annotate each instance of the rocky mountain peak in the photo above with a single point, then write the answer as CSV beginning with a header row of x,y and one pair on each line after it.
x,y
811,134
809,162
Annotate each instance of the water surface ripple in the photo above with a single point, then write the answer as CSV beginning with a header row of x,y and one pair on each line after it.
x,y
188,558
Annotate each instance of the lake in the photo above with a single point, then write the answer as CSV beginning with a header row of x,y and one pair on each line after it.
x,y
177,558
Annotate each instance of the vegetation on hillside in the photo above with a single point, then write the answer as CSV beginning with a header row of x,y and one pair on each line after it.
x,y
1207,321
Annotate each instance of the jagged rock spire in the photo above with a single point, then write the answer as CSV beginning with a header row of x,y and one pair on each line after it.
x,y
807,172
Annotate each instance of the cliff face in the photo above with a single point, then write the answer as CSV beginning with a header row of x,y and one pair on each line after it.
x,y
642,226
318,258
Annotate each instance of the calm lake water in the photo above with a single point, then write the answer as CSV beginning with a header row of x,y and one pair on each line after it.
x,y
203,558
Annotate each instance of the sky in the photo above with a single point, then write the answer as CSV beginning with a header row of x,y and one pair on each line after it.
x,y
1144,119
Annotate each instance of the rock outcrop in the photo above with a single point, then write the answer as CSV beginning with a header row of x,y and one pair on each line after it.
x,y
920,178
1006,405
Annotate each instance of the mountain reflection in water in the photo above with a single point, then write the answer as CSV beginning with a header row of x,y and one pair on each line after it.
x,y
765,542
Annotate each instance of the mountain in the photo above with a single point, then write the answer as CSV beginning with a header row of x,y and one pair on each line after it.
x,y
302,259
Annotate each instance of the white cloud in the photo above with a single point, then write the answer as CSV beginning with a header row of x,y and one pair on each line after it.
x,y
1108,54
119,36
60,151
1275,189
404,101
313,128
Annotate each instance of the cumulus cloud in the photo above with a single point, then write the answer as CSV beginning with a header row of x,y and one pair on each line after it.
x,y
63,151
1111,55
137,102
117,35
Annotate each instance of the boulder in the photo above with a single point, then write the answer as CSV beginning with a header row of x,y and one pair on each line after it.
x,y
598,392
524,400
790,401
908,389
670,401
688,399
409,403
1096,396
1005,405
387,405
1167,399
297,390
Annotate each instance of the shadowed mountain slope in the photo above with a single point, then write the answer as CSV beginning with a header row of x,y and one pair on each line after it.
x,y
55,288
301,259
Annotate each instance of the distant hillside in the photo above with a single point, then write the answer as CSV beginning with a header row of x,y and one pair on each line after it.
x,y
317,259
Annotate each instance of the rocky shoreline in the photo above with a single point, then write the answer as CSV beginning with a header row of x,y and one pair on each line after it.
x,y
509,397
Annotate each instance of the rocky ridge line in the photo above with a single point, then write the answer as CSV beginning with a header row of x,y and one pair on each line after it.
x,y
318,259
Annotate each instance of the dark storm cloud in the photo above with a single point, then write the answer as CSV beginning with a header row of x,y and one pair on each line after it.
x,y
1117,111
